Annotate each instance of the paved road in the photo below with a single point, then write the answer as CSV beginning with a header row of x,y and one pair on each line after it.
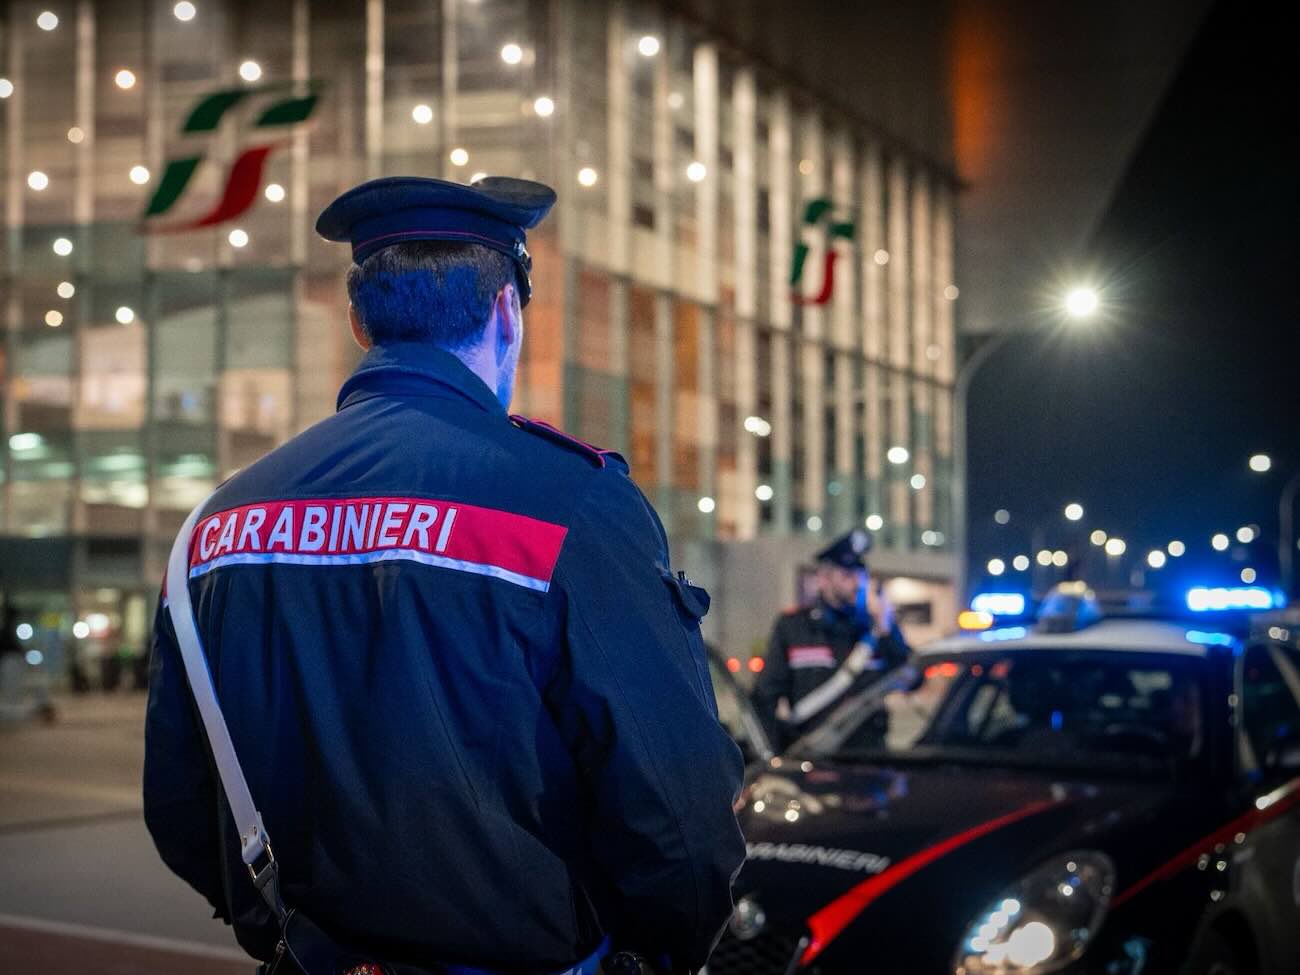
x,y
81,888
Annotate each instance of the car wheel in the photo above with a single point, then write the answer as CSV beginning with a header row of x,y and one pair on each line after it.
x,y
1213,954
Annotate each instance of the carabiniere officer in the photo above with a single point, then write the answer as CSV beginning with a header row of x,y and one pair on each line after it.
x,y
817,654
466,684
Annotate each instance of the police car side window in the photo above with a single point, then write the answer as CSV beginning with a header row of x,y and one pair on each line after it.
x,y
980,709
1270,712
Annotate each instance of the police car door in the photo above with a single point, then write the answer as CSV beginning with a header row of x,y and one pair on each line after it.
x,y
1268,682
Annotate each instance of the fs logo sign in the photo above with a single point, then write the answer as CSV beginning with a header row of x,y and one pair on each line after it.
x,y
817,214
244,178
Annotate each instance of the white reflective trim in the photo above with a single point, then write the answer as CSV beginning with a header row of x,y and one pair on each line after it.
x,y
834,687
404,554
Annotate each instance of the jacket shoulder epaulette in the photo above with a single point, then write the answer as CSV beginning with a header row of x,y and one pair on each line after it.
x,y
598,456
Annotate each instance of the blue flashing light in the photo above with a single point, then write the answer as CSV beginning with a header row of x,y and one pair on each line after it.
x,y
1004,633
999,603
1204,599
1209,639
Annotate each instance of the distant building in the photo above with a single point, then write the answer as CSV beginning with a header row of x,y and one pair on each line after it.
x,y
140,368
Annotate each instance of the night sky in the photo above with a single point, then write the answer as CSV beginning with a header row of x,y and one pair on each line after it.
x,y
1149,418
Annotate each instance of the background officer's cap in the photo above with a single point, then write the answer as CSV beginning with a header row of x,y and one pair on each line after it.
x,y
495,212
849,551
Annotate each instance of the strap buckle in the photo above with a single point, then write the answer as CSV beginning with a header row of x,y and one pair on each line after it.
x,y
262,868
259,858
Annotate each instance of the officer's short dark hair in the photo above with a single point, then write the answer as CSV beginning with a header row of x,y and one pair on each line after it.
x,y
428,291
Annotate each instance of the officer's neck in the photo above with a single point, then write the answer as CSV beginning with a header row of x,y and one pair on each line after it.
x,y
482,364
494,357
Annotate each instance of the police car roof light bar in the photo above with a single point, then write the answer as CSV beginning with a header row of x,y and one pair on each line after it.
x,y
1000,603
1203,599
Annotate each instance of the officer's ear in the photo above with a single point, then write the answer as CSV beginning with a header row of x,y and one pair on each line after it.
x,y
358,333
509,315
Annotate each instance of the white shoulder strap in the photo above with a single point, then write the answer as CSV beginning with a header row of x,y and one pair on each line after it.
x,y
834,687
255,845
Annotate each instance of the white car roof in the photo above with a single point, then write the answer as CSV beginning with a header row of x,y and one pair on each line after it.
x,y
1132,635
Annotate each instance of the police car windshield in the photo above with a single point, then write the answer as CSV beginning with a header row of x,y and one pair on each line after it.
x,y
1060,709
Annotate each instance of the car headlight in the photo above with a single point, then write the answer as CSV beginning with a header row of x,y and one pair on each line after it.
x,y
1043,922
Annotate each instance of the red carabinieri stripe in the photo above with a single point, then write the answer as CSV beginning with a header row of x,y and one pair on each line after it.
x,y
1276,802
343,527
828,922
800,657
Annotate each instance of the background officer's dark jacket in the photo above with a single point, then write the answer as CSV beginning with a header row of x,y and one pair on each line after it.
x,y
475,713
805,649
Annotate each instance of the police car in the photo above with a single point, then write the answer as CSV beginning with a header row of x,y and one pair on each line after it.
x,y
1078,793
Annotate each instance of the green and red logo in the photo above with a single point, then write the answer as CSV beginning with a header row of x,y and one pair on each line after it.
x,y
283,105
818,214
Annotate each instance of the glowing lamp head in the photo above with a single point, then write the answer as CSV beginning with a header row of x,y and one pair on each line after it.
x,y
1081,302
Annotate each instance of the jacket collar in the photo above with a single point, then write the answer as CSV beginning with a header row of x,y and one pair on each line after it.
x,y
416,369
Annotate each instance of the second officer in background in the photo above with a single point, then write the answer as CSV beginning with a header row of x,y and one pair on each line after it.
x,y
818,653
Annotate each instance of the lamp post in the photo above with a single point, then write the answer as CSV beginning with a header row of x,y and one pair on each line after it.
x,y
961,396
1080,303
1286,535
1262,464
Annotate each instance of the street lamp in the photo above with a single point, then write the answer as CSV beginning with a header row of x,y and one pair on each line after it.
x,y
1079,303
1074,511
1261,463
1286,534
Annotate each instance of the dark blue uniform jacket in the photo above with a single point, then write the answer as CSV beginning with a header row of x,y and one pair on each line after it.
x,y
468,691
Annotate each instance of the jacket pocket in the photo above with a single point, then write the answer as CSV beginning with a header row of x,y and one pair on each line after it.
x,y
692,605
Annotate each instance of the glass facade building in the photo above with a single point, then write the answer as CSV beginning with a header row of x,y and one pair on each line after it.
x,y
142,362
